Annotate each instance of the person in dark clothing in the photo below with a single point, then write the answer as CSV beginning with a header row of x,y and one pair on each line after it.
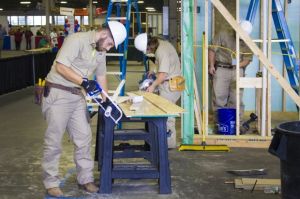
x,y
18,38
28,35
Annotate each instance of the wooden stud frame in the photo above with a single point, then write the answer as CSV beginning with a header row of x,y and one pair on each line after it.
x,y
283,83
264,60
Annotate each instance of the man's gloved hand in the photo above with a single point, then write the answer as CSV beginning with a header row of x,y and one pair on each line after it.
x,y
90,86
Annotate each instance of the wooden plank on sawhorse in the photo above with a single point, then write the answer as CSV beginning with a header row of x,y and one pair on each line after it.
x,y
161,103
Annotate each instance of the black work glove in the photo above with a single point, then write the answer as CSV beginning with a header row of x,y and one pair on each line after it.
x,y
90,86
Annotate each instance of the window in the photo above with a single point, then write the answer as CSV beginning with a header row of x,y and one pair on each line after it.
x,y
85,20
14,20
37,20
8,19
22,20
60,20
30,20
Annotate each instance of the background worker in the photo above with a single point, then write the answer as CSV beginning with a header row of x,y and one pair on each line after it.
x,y
222,65
28,35
18,38
168,66
64,106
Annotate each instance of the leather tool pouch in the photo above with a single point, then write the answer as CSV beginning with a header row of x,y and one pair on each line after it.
x,y
177,83
46,91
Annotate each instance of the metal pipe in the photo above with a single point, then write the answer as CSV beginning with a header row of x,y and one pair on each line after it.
x,y
264,71
91,13
47,8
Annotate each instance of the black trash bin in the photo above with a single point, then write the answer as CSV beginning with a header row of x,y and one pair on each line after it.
x,y
286,145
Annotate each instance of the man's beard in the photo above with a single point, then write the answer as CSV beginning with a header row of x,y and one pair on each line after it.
x,y
99,45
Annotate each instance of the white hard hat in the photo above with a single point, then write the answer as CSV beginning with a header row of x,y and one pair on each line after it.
x,y
118,32
140,42
246,26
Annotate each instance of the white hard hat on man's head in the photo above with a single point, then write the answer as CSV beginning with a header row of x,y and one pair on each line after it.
x,y
246,26
118,32
140,42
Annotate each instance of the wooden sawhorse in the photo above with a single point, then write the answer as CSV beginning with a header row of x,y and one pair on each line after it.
x,y
157,155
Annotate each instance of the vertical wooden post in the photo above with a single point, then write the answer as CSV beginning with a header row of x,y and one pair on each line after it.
x,y
237,57
259,90
269,91
205,92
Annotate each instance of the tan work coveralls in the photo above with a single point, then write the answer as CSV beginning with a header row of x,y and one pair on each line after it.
x,y
66,111
168,62
224,81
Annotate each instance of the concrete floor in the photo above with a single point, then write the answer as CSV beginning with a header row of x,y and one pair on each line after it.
x,y
194,174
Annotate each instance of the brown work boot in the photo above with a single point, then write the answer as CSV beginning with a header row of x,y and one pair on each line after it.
x,y
55,192
90,187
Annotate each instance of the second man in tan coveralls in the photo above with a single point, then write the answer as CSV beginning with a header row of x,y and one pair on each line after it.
x,y
221,58
168,63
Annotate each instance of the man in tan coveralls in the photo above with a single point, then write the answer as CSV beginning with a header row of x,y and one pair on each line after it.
x,y
64,105
168,66
221,57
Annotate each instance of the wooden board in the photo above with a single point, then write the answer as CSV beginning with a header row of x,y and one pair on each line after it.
x,y
161,103
250,82
160,108
256,183
147,110
249,141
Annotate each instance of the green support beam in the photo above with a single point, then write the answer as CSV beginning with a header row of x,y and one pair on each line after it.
x,y
187,62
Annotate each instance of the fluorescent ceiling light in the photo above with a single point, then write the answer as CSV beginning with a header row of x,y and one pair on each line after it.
x,y
95,1
140,2
1,9
63,2
25,2
149,8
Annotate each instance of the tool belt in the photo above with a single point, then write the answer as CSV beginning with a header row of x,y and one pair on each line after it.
x,y
73,90
177,83
224,65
